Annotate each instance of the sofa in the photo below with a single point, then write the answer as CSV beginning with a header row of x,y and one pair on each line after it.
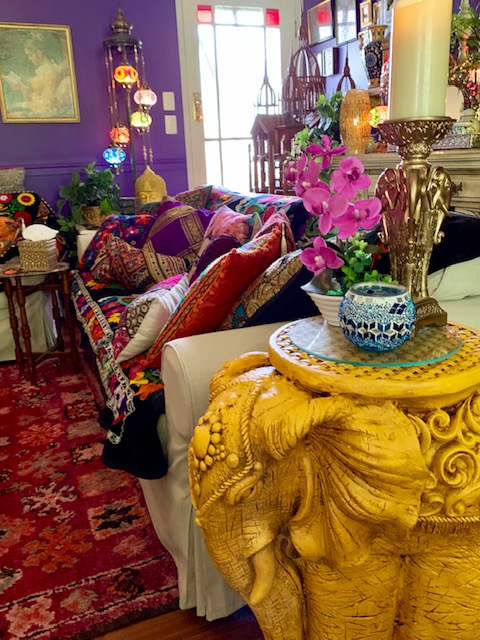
x,y
154,398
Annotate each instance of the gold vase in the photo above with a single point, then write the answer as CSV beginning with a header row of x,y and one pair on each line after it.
x,y
415,200
92,216
354,121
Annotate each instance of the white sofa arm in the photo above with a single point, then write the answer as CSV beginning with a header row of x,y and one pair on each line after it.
x,y
187,367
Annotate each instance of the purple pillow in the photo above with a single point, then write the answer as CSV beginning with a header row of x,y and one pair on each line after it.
x,y
130,228
218,246
178,230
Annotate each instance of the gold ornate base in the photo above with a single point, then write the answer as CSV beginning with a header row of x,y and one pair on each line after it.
x,y
415,200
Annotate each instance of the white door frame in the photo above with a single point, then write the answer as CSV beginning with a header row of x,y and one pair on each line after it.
x,y
190,72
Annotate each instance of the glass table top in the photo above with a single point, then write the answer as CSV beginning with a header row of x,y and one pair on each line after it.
x,y
319,339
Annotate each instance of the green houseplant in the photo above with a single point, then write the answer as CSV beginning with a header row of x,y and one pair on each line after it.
x,y
95,188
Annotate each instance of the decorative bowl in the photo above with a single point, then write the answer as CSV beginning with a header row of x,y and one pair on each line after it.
x,y
328,305
377,316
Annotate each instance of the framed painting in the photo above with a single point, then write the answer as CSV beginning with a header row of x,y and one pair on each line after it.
x,y
365,14
37,76
320,22
346,21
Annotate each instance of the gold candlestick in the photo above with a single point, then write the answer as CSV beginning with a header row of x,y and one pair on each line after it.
x,y
415,200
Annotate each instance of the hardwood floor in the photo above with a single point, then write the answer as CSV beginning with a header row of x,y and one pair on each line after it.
x,y
180,625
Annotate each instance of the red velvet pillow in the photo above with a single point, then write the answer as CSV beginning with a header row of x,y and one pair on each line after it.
x,y
210,297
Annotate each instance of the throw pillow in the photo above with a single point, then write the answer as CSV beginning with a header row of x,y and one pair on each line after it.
x,y
241,226
144,318
221,195
217,246
196,198
178,230
130,228
135,268
279,219
275,296
211,296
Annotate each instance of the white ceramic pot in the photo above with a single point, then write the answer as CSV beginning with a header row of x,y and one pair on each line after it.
x,y
327,305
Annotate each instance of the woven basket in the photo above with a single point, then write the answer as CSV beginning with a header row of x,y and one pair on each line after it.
x,y
39,255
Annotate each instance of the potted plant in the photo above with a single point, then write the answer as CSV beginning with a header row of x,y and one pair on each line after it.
x,y
98,190
89,198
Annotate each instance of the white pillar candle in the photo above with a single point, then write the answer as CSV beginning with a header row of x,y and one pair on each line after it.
x,y
420,49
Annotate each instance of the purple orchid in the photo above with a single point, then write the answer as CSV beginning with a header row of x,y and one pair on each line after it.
x,y
363,214
320,257
318,201
349,177
325,151
307,177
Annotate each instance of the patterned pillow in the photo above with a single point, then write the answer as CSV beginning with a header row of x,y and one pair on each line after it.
x,y
261,201
217,246
145,317
225,220
178,230
275,296
135,268
279,219
219,196
211,296
196,198
129,228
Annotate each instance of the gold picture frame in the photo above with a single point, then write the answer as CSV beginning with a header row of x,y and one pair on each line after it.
x,y
365,14
37,76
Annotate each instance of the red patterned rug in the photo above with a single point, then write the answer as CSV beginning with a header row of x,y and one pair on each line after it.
x,y
78,553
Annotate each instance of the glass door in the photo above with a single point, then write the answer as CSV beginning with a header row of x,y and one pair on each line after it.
x,y
225,50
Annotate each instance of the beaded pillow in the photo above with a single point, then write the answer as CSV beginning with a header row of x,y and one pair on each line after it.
x,y
144,318
135,268
130,228
213,293
178,230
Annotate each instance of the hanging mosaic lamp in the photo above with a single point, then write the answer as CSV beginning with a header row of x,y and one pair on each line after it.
x,y
114,156
120,135
126,75
145,97
140,120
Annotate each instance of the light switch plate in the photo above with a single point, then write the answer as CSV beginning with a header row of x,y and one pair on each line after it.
x,y
168,99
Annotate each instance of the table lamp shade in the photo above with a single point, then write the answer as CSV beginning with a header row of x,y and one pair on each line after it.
x,y
420,49
354,121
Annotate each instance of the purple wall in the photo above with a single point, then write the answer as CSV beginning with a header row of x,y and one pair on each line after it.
x,y
51,151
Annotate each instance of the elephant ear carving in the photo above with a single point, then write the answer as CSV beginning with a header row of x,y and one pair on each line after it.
x,y
369,476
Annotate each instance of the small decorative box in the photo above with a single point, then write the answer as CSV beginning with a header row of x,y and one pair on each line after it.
x,y
38,255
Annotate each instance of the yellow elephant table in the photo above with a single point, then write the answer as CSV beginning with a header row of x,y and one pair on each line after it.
x,y
342,501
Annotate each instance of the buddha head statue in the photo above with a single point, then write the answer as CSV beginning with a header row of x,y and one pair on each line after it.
x,y
149,187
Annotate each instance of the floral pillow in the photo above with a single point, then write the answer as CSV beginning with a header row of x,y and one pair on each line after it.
x,y
209,298
134,268
145,317
178,230
240,226
279,219
130,228
219,196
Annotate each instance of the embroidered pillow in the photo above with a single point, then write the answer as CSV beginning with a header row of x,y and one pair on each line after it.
x,y
221,195
145,317
211,296
275,296
196,198
178,230
217,246
129,228
134,268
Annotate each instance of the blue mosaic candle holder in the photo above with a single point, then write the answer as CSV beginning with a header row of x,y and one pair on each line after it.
x,y
377,316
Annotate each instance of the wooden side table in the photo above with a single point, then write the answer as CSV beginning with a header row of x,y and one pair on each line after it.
x,y
341,499
57,282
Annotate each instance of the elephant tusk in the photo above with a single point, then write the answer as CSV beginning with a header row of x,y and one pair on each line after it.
x,y
264,566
